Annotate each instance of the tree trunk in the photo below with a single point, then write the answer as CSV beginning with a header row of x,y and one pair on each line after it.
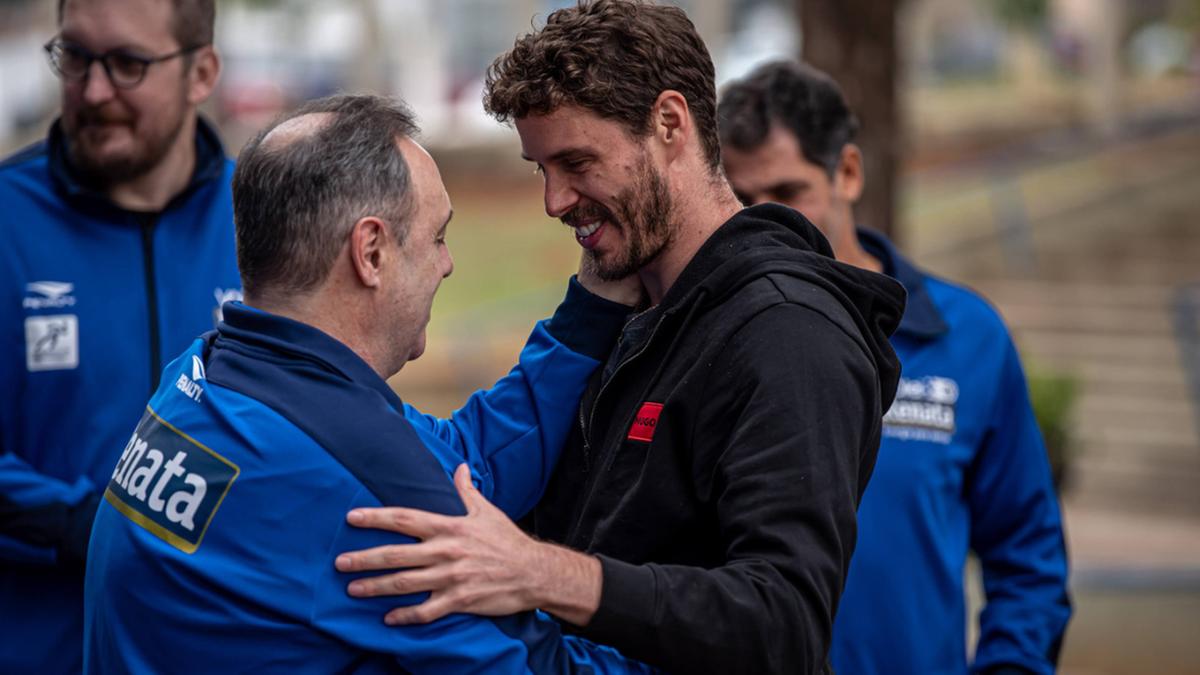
x,y
855,42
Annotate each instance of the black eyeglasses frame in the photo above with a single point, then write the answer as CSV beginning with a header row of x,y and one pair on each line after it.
x,y
56,46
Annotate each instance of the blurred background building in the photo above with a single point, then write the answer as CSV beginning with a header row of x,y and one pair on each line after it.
x,y
1046,152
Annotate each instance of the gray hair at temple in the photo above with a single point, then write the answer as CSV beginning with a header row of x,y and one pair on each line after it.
x,y
302,183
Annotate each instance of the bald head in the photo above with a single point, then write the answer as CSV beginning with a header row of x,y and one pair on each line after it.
x,y
294,129
302,183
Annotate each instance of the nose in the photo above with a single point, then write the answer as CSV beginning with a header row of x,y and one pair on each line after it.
x,y
560,196
96,86
447,262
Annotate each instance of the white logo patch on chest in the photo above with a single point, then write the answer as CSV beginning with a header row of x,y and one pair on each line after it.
x,y
924,409
52,342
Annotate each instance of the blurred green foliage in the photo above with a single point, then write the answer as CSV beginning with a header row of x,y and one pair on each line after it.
x,y
1021,13
1186,13
1053,395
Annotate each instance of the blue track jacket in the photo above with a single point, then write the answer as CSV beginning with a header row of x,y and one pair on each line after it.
x,y
961,466
214,549
93,297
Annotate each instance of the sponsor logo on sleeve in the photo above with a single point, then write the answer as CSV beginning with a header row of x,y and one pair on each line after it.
x,y
51,342
169,484
645,422
924,410
190,386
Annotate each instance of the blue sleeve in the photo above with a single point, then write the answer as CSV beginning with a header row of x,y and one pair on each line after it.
x,y
43,520
529,642
512,434
1016,531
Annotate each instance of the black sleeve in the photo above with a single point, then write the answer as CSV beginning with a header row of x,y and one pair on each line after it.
x,y
788,432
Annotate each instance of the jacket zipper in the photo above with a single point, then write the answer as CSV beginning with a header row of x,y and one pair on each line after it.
x,y
148,223
591,418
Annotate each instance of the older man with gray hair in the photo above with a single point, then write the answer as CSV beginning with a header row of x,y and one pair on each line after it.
x,y
213,549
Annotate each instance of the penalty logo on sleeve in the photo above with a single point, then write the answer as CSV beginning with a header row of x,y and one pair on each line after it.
x,y
169,483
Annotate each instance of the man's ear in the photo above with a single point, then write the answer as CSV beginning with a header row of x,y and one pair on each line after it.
x,y
671,122
203,75
367,240
849,177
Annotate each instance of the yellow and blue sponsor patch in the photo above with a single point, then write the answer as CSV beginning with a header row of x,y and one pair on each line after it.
x,y
169,483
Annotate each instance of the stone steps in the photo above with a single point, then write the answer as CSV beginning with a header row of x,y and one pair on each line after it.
x,y
1113,238
1064,348
1124,411
1115,483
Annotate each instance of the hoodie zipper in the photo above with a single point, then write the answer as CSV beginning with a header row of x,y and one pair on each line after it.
x,y
587,446
148,223
687,320
590,419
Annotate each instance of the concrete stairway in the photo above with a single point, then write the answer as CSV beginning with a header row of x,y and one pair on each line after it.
x,y
1095,295
1136,445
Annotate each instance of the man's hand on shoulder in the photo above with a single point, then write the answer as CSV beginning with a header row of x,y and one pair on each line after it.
x,y
627,291
480,563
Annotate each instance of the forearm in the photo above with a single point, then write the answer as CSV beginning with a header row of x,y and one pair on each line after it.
x,y
42,511
738,618
512,433
566,583
1016,530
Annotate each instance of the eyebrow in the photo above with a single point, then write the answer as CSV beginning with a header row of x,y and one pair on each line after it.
x,y
798,183
560,155
123,47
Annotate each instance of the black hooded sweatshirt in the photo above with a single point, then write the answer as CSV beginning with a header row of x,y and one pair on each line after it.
x,y
720,455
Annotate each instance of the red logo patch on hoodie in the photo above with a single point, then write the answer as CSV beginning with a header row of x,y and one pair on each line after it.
x,y
645,422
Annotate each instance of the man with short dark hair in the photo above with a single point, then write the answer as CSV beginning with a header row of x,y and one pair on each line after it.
x,y
117,249
710,480
224,512
961,464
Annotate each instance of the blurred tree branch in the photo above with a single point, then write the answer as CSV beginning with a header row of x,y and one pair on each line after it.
x,y
855,42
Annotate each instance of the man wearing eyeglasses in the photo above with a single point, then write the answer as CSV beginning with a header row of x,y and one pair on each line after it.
x,y
117,249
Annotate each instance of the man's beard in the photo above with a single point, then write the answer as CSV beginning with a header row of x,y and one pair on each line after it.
x,y
645,215
146,153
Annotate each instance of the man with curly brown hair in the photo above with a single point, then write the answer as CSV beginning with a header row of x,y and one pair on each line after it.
x,y
704,506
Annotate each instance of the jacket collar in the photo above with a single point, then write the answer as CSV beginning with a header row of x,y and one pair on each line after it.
x,y
210,163
259,330
921,319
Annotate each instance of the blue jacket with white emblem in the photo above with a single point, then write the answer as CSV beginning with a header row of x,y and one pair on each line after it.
x,y
214,548
961,466
92,296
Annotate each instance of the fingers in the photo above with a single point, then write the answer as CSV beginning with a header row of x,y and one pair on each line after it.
x,y
398,583
432,609
627,291
389,557
413,522
471,497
